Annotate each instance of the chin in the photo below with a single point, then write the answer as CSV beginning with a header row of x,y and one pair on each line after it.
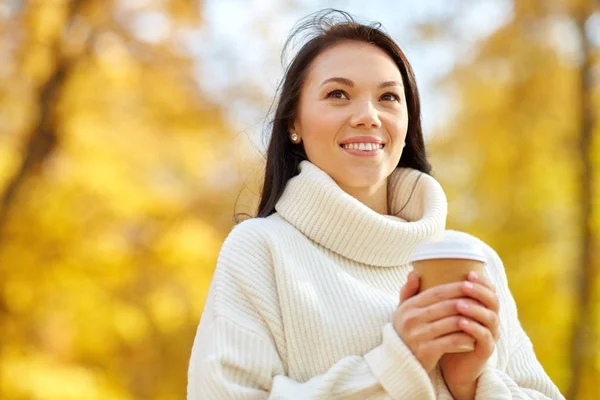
x,y
362,179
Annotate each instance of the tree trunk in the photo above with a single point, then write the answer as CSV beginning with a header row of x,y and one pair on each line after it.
x,y
39,146
43,138
582,341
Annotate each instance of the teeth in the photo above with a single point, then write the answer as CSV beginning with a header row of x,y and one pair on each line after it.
x,y
363,146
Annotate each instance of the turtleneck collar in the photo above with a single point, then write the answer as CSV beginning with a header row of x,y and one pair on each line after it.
x,y
314,203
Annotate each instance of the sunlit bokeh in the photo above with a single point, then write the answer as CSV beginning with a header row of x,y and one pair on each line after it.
x,y
132,131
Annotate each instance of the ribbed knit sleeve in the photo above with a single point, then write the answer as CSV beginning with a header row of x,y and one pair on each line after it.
x,y
239,349
523,377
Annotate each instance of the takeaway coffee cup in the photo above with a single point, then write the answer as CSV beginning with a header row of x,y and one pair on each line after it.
x,y
440,262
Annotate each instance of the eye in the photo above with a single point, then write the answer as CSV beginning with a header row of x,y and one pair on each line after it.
x,y
334,94
395,97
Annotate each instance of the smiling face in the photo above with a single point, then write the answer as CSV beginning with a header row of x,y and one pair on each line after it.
x,y
353,90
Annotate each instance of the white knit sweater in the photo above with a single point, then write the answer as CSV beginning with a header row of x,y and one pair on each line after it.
x,y
301,302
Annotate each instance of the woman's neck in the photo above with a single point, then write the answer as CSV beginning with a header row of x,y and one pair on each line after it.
x,y
374,197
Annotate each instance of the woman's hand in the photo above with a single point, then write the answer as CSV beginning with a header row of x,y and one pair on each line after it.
x,y
428,322
481,321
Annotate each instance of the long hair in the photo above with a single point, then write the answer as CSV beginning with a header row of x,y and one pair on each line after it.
x,y
283,156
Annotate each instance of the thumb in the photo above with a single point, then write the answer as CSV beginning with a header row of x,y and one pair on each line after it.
x,y
410,288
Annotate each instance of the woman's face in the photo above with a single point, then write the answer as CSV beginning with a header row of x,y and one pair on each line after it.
x,y
353,90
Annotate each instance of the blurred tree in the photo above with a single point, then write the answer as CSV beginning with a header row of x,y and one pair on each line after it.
x,y
585,363
110,214
518,166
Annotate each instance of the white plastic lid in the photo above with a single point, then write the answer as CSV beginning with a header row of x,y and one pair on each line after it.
x,y
443,249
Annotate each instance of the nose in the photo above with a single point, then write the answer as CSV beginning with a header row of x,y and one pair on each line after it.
x,y
365,116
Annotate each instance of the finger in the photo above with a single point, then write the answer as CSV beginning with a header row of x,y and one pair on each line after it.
x,y
484,340
410,288
480,278
438,328
482,294
448,343
436,311
480,314
439,293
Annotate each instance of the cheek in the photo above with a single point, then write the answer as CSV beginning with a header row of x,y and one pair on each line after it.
x,y
321,125
401,130
397,127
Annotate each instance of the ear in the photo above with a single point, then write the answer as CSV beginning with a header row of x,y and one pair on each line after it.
x,y
292,126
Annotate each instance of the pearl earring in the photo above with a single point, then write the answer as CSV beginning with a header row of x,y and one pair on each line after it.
x,y
294,137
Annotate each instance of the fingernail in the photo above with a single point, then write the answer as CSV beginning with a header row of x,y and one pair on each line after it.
x,y
463,304
468,285
473,275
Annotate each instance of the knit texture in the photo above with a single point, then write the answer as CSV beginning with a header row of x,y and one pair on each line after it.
x,y
300,305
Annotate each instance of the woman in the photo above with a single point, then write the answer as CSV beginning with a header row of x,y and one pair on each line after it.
x,y
305,301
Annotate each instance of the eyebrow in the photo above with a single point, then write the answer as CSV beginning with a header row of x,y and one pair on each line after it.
x,y
348,82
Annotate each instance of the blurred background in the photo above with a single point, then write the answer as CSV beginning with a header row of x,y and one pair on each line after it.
x,y
131,131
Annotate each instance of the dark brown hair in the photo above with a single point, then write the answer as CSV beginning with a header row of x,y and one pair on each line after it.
x,y
283,156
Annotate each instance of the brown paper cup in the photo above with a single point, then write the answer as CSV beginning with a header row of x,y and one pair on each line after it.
x,y
445,270
437,263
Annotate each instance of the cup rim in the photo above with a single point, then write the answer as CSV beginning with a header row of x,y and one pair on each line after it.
x,y
447,250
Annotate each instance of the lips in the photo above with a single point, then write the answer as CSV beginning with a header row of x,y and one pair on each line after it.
x,y
363,139
365,152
